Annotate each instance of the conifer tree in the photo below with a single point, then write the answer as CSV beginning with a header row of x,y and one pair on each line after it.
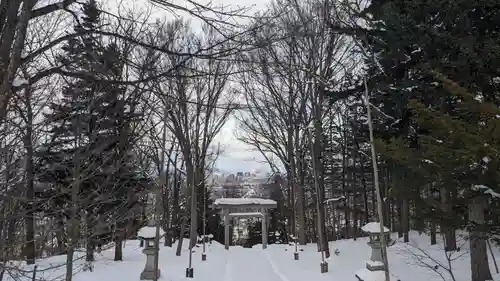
x,y
433,71
91,136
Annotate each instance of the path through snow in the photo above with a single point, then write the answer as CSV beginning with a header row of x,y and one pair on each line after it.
x,y
254,264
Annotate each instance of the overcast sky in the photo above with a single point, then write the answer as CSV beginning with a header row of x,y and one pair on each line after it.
x,y
237,156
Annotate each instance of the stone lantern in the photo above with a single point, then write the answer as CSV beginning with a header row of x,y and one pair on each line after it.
x,y
375,267
148,235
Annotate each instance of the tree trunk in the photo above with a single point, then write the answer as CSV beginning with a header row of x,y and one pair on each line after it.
x,y
318,151
291,205
387,202
60,234
118,248
433,232
11,235
393,215
73,229
181,237
175,195
347,216
30,250
419,220
446,227
406,220
313,226
119,236
333,222
193,234
480,268
11,48
89,237
301,214
400,215
2,234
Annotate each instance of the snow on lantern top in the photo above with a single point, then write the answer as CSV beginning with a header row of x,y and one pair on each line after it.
x,y
373,227
149,232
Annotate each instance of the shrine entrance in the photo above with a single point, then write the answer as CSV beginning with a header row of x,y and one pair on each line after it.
x,y
244,207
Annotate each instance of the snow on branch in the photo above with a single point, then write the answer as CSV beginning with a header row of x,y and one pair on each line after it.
x,y
485,190
337,199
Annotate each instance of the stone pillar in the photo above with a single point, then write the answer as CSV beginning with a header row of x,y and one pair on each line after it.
x,y
264,229
149,270
225,213
376,252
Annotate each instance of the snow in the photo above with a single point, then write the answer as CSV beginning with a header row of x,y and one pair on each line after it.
x,y
486,190
367,275
18,82
416,51
374,263
149,232
249,214
479,97
337,199
413,261
244,201
373,227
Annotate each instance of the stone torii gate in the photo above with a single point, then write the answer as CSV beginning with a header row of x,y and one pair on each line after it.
x,y
244,207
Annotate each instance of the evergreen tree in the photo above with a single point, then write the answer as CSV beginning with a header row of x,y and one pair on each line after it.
x,y
91,135
68,157
435,71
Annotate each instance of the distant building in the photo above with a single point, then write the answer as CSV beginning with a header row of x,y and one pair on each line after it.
x,y
248,184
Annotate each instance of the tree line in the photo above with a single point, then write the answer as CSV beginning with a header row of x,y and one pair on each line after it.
x,y
429,71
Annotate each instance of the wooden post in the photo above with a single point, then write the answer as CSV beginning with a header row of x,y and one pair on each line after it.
x,y
383,241
225,213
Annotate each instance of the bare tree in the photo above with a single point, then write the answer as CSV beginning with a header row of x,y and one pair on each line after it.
x,y
199,104
14,28
293,73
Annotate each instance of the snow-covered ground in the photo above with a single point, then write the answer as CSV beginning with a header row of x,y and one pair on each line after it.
x,y
414,261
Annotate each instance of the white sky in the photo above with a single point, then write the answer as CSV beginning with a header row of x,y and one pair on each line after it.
x,y
237,156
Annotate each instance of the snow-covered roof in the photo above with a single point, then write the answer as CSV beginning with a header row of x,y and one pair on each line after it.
x,y
149,232
244,201
248,214
373,227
